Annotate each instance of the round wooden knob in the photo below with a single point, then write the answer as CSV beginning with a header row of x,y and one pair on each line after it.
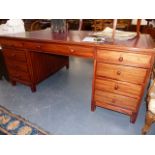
x,y
72,50
13,55
120,59
118,72
38,46
116,87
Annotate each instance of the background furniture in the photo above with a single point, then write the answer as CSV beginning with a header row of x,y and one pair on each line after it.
x,y
150,114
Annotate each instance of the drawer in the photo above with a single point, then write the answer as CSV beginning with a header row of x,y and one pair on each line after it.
x,y
81,51
115,99
122,73
19,75
61,49
118,87
131,59
16,65
48,47
18,55
11,43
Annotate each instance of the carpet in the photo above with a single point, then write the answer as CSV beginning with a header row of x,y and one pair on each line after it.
x,y
12,124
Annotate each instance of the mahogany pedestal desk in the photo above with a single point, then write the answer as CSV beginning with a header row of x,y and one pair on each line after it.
x,y
121,68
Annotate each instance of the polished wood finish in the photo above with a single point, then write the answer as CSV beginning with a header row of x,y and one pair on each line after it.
x,y
121,68
120,79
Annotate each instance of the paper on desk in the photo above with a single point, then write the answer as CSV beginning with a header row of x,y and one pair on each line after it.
x,y
93,39
120,35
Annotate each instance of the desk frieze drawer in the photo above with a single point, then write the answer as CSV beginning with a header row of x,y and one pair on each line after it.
x,y
48,47
12,43
18,55
122,73
115,100
131,59
61,49
118,87
81,51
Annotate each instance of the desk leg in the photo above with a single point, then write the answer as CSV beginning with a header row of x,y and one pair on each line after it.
x,y
67,65
0,76
133,117
93,106
33,88
13,82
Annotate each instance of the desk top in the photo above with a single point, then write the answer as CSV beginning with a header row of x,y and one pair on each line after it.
x,y
144,41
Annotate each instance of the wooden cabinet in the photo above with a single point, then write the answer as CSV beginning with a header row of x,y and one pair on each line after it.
x,y
119,80
30,68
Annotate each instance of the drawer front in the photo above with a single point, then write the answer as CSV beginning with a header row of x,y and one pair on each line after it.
x,y
16,65
116,100
81,51
123,73
17,55
118,87
131,59
61,49
19,75
11,43
50,48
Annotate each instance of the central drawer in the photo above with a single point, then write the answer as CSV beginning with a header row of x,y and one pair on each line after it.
x,y
115,99
122,73
61,49
118,87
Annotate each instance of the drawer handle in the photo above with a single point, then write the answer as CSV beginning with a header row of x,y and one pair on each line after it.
x,y
72,50
120,59
116,87
118,72
38,46
13,55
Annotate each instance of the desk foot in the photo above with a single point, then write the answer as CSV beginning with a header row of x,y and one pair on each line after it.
x,y
67,66
33,88
13,83
133,118
93,107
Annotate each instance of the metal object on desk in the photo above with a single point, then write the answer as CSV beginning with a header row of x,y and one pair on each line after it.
x,y
58,25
